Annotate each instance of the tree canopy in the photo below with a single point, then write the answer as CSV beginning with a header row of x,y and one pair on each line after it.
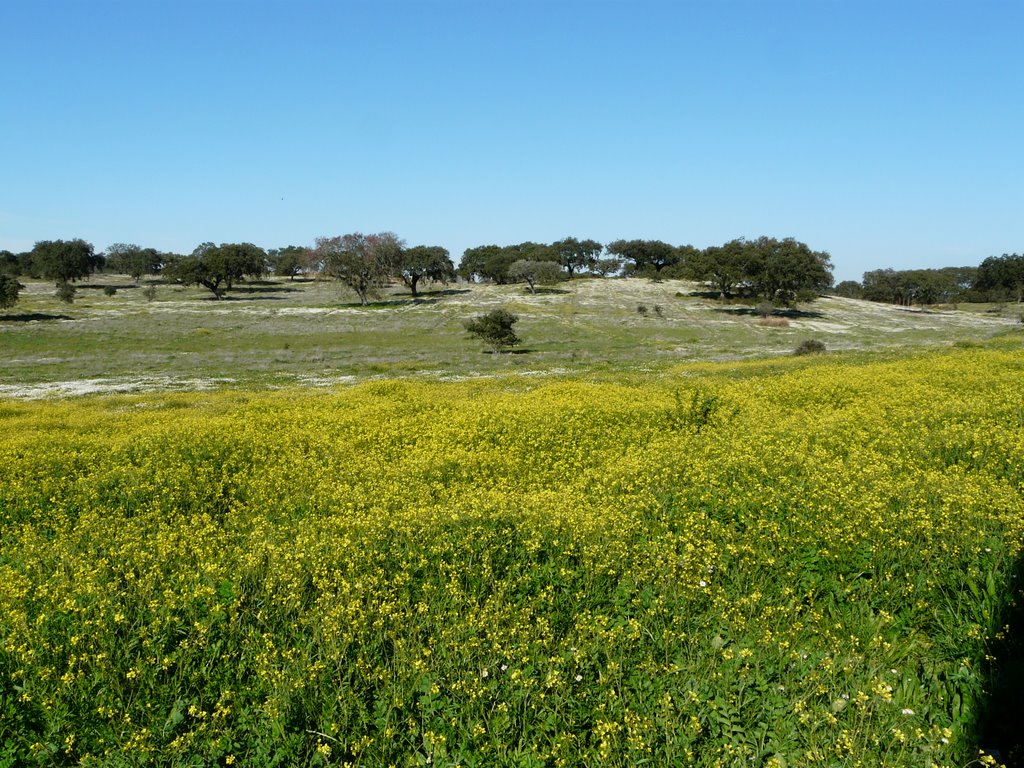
x,y
219,267
63,260
574,255
425,262
495,329
785,270
646,256
290,260
10,264
534,273
778,271
918,286
362,262
725,266
491,262
9,288
133,260
1002,276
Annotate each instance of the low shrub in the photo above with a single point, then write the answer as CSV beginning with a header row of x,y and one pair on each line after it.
x,y
810,347
65,292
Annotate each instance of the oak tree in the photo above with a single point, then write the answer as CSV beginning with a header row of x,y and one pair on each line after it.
x,y
362,262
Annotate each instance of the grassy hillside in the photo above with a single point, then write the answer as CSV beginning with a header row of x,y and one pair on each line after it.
x,y
280,333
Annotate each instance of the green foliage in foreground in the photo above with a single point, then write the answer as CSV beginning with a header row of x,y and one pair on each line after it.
x,y
9,288
805,565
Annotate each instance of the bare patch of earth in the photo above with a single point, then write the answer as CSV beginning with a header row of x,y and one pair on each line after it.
x,y
78,387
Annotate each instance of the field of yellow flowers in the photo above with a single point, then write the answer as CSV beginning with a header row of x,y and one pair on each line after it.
x,y
793,563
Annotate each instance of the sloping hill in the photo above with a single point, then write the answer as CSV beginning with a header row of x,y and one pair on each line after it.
x,y
280,332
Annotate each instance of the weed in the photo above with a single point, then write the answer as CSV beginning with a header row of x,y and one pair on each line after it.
x,y
810,347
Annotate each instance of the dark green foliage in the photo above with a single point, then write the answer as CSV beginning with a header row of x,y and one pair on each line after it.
x,y
1002,277
784,271
725,267
495,329
810,347
485,262
919,286
109,290
425,262
133,260
65,292
9,287
63,260
9,264
608,267
849,289
290,260
492,262
574,255
648,257
218,267
778,271
362,262
535,273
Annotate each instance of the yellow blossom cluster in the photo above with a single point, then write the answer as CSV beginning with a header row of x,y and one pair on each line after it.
x,y
761,564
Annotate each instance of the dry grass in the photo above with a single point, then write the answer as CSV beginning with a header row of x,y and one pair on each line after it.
x,y
773,322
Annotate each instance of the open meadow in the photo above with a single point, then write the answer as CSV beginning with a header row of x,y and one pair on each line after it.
x,y
280,333
282,529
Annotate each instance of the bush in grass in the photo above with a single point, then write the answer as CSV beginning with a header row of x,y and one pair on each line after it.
x,y
109,290
65,292
495,329
9,287
810,347
150,293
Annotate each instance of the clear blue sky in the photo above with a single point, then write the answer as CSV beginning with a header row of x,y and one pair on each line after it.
x,y
890,134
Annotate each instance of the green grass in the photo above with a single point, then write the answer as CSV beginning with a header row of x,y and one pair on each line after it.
x,y
277,332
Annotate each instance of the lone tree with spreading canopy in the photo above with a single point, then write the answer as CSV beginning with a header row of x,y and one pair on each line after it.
x,y
64,262
362,262
535,273
495,329
218,267
425,262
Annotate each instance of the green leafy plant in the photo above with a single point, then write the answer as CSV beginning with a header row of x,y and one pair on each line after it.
x,y
810,347
65,292
495,329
